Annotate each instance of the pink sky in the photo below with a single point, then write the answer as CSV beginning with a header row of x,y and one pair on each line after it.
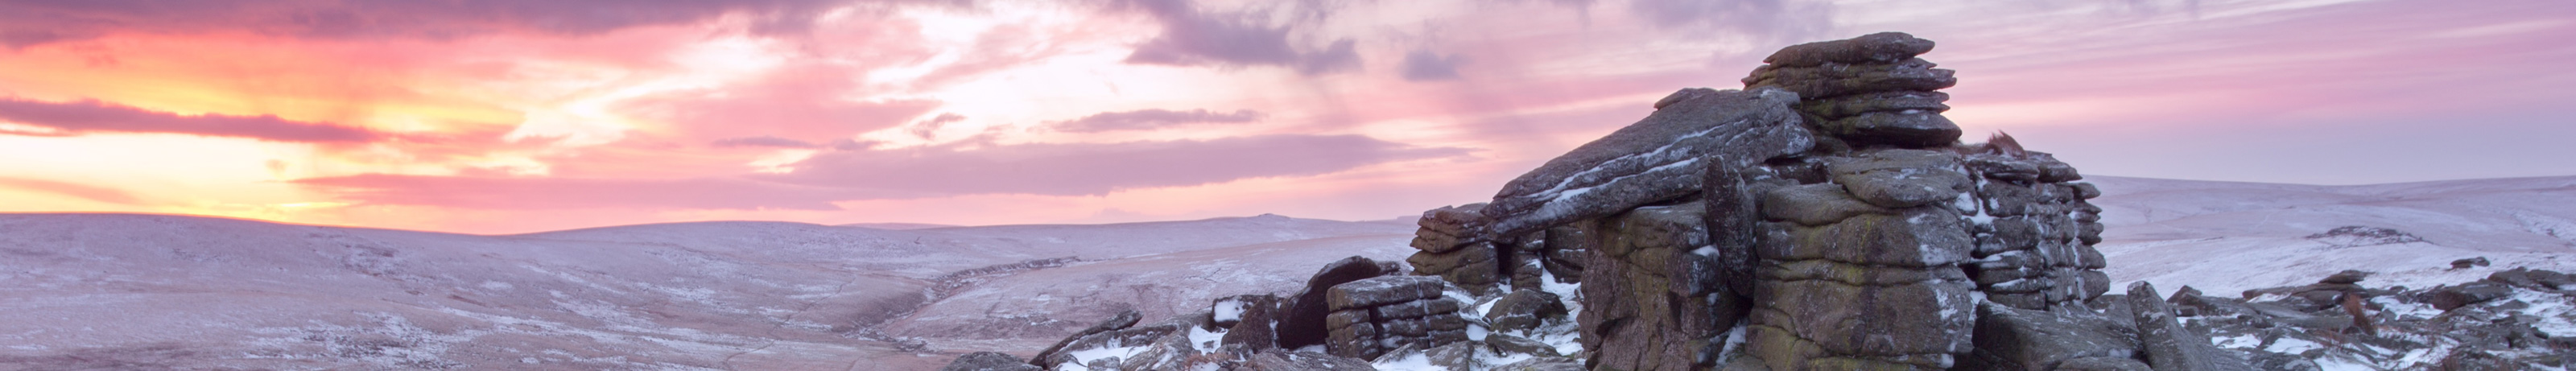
x,y
496,116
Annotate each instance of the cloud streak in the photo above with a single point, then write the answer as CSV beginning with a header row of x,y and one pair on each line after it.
x,y
37,22
94,116
1153,119
1097,168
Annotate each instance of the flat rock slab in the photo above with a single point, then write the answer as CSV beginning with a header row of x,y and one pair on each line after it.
x,y
1659,158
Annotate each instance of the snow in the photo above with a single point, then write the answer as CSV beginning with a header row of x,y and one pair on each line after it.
x,y
1227,311
1205,341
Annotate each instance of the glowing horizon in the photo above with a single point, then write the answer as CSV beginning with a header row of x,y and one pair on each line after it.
x,y
505,117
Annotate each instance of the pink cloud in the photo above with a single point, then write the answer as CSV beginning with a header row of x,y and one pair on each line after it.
x,y
1097,168
34,22
94,116
563,193
83,191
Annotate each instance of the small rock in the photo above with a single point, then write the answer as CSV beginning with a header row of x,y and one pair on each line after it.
x,y
2469,262
1280,360
2454,297
1524,309
988,361
2346,277
1507,344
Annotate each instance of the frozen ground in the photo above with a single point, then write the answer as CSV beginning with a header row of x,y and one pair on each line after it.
x,y
118,291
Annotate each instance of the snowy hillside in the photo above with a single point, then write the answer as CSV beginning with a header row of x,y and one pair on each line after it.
x,y
2226,237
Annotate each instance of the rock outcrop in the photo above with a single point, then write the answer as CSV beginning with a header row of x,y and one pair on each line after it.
x,y
1825,217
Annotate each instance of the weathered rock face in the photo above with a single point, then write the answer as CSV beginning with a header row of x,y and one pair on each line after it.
x,y
1453,246
2010,338
1656,159
1865,91
1652,299
2034,231
1376,315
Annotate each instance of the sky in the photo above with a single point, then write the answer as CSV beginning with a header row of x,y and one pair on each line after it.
x,y
503,116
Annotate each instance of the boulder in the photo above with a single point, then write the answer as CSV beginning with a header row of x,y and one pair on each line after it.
x,y
2010,338
1542,364
1658,158
1523,309
1900,178
2168,346
1250,320
988,361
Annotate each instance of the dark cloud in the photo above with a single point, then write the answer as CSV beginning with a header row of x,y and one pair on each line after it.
x,y
1774,20
1194,38
33,22
1153,119
519,193
94,116
763,141
1423,65
1096,168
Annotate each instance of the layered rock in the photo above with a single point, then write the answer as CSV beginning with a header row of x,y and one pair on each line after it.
x,y
2034,230
1452,245
1373,316
1656,159
1873,281
1865,91
1653,299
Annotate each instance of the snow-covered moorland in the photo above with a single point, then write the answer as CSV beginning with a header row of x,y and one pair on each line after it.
x,y
148,291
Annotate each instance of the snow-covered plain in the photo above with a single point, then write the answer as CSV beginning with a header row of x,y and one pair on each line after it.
x,y
123,291
2226,237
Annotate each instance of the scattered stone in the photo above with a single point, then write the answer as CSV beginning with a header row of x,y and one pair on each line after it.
x,y
1250,320
1278,360
2469,262
2454,297
2358,236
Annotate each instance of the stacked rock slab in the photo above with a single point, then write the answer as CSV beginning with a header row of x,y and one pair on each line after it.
x,y
1376,315
1453,246
1862,271
1865,91
1654,302
2034,230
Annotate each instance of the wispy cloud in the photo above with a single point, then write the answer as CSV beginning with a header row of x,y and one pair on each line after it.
x,y
94,116
35,22
1153,119
84,191
1192,38
1097,168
